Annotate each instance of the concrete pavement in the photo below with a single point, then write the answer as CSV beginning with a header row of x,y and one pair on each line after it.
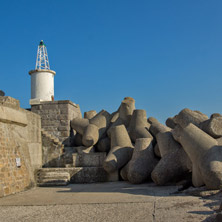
x,y
116,201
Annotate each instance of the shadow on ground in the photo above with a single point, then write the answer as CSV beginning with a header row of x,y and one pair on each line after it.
x,y
149,189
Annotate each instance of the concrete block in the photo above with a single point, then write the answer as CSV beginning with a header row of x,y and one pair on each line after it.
x,y
88,159
91,175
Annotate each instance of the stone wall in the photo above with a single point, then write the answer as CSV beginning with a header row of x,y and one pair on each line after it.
x,y
20,146
56,116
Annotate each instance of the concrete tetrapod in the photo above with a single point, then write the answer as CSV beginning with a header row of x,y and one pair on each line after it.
x,y
171,167
79,124
143,161
215,115
137,127
101,120
78,139
170,123
103,144
121,149
126,109
152,120
90,114
213,127
83,149
205,154
125,112
90,135
166,143
156,127
124,172
96,128
156,150
187,116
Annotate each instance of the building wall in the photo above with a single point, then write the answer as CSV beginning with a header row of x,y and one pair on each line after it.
x,y
56,117
20,138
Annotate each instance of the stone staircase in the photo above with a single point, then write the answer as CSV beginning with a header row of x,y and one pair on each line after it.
x,y
52,150
83,168
51,137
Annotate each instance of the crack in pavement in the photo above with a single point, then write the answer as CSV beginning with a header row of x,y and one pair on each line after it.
x,y
154,211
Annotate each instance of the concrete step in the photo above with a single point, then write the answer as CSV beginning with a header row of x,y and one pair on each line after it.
x,y
88,159
48,176
53,183
51,177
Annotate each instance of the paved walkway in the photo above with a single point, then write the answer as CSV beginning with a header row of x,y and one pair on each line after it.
x,y
117,202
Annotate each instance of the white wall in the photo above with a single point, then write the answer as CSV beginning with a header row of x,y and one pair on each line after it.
x,y
42,85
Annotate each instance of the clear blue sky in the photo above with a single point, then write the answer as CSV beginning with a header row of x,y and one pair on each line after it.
x,y
167,55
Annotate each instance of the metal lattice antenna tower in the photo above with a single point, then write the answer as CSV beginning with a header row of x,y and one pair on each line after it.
x,y
42,60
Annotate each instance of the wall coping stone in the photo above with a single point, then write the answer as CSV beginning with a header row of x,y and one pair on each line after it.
x,y
9,102
57,102
13,116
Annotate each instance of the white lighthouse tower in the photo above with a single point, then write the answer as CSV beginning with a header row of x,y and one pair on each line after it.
x,y
42,78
